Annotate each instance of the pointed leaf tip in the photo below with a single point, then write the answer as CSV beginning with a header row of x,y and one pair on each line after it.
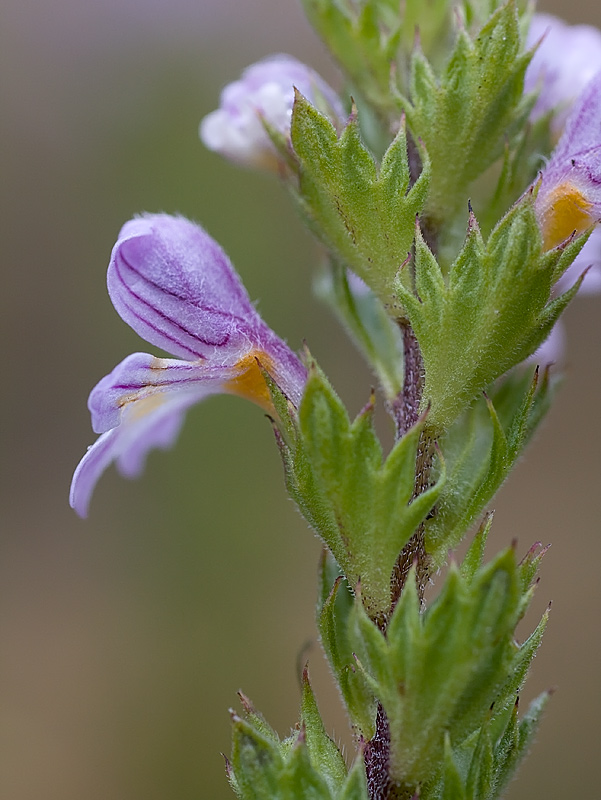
x,y
246,703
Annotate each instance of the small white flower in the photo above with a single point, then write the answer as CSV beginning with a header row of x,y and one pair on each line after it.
x,y
264,93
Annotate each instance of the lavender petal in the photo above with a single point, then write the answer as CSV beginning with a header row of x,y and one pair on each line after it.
x,y
175,286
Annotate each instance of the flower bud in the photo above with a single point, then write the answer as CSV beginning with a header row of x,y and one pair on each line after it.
x,y
263,97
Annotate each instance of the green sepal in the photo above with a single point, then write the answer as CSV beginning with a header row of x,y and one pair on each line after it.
x,y
488,314
355,786
521,740
529,567
305,766
465,116
451,784
333,614
522,160
482,765
475,554
364,214
439,672
480,775
321,748
256,762
299,779
377,336
480,449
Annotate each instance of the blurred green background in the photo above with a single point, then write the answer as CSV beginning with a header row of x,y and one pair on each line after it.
x,y
125,637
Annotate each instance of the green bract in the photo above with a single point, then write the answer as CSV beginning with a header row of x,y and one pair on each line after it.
x,y
364,38
305,766
465,115
438,673
363,213
360,503
490,312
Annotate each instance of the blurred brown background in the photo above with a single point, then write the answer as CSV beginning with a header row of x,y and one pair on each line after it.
x,y
124,637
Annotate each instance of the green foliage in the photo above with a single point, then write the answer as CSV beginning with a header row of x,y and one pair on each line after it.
x,y
451,673
491,312
305,766
364,39
480,449
363,213
466,115
445,677
372,41
360,503
333,613
482,766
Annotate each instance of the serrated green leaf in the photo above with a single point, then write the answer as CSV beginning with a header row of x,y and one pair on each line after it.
x,y
491,313
361,41
364,214
435,672
466,116
361,504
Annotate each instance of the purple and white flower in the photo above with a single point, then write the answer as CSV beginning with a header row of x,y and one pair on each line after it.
x,y
568,202
174,285
566,59
569,196
264,95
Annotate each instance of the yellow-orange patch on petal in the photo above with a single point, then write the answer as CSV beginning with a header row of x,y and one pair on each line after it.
x,y
140,406
146,399
250,383
566,210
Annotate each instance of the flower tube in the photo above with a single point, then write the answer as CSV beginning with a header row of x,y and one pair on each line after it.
x,y
264,96
174,285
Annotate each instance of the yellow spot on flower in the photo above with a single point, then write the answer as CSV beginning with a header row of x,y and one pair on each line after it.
x,y
146,399
566,210
250,383
144,405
